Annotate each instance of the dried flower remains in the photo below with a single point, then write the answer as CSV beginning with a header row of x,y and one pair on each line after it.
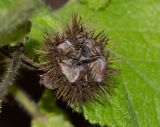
x,y
76,64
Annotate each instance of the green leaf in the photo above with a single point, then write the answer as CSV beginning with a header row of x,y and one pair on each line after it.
x,y
43,20
53,116
5,4
52,120
14,21
134,28
96,4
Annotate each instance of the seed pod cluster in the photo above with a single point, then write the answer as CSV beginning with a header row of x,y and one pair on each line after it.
x,y
76,64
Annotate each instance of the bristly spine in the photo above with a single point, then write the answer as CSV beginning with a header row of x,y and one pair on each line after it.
x,y
76,64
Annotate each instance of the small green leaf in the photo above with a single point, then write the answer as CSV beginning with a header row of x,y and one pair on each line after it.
x,y
14,22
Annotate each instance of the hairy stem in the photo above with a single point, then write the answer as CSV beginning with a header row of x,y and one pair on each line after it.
x,y
11,72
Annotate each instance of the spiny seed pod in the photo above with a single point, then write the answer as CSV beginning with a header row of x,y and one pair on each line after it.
x,y
76,66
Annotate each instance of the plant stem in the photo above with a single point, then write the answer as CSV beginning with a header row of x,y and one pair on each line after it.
x,y
28,104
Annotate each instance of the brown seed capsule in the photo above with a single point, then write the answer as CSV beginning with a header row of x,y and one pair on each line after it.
x,y
76,65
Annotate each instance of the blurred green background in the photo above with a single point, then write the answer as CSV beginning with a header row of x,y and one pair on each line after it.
x,y
134,29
